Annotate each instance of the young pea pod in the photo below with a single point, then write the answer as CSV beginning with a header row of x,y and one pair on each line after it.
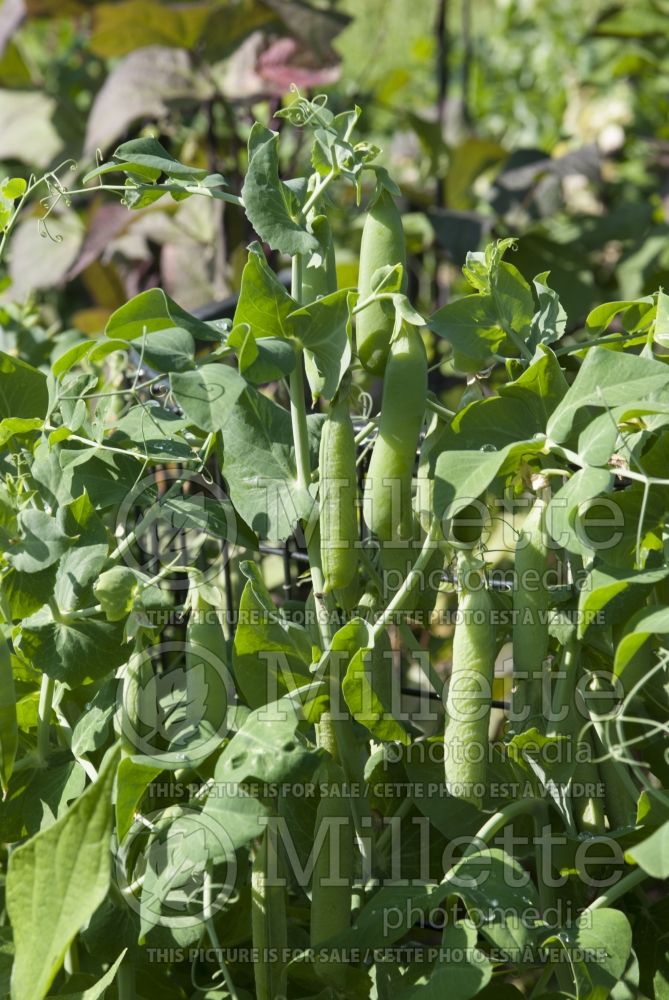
x,y
531,601
319,276
387,494
269,923
382,244
333,868
470,692
338,495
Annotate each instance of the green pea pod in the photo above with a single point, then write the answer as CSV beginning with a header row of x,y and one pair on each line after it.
x,y
382,244
531,601
139,712
387,495
269,924
333,868
338,495
319,276
469,693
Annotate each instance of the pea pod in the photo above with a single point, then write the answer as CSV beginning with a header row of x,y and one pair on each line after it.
x,y
268,920
469,692
530,630
333,868
382,244
387,495
338,494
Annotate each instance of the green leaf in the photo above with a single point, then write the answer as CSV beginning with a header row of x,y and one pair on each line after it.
x,y
470,325
368,687
646,623
460,977
259,465
42,541
120,27
605,583
269,204
151,311
132,780
55,882
652,854
323,329
208,396
171,350
564,517
73,651
18,425
97,991
603,932
147,159
9,734
264,304
271,655
23,391
550,321
605,379
91,731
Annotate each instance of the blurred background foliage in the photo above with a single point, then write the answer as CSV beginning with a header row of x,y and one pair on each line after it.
x,y
542,119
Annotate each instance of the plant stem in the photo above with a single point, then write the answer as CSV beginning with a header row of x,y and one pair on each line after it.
x,y
125,981
622,887
44,717
386,618
213,936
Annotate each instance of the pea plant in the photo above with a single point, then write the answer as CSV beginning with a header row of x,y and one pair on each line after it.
x,y
432,761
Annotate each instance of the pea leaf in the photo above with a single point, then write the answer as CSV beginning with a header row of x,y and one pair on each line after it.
x,y
23,391
94,992
72,651
56,881
152,311
323,329
270,206
207,396
649,621
652,854
368,689
460,977
271,655
42,541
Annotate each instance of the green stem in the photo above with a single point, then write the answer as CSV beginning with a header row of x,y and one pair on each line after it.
x,y
321,186
44,717
213,936
500,819
441,411
152,515
615,892
387,617
125,981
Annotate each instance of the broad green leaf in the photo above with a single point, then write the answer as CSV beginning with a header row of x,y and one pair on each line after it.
x,y
649,621
605,379
259,465
369,693
18,425
94,350
661,330
151,311
470,325
462,476
147,159
36,796
8,724
269,204
550,321
42,541
119,28
637,314
97,991
652,854
55,882
132,780
491,884
207,396
569,505
72,651
271,655
264,304
603,932
605,583
23,391
170,350
322,327
266,751
459,978
83,561
92,729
